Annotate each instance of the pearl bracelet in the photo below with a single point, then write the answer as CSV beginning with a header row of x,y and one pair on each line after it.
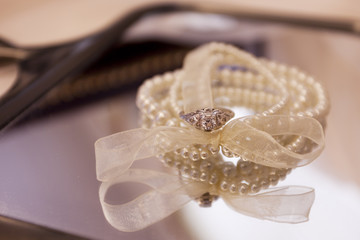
x,y
289,92
189,123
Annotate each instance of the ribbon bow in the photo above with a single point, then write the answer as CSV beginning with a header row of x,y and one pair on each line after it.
x,y
249,136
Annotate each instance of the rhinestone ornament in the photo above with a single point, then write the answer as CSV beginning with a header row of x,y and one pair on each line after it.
x,y
208,119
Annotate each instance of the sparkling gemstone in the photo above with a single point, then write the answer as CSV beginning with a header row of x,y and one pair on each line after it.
x,y
208,119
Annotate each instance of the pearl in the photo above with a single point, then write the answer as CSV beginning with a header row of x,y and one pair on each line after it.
x,y
177,151
204,154
204,177
170,123
161,117
152,109
265,183
213,150
194,155
224,185
254,187
229,170
233,188
168,161
243,188
245,167
206,166
185,169
178,164
213,179
195,174
145,102
185,153
226,152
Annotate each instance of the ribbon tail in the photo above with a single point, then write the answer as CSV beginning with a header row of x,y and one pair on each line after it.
x,y
196,80
290,204
168,194
116,153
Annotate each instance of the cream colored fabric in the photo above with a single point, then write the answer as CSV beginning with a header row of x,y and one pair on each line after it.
x,y
200,68
117,152
168,194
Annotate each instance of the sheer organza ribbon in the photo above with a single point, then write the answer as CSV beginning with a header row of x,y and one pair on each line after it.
x,y
253,141
249,136
201,66
168,194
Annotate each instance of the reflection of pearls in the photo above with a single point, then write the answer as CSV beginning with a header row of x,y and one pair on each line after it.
x,y
289,92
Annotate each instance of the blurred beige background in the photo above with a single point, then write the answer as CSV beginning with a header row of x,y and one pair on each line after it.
x,y
42,22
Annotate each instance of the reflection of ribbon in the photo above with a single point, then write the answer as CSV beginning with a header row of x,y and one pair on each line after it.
x,y
168,194
249,136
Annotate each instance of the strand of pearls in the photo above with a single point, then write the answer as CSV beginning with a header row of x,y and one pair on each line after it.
x,y
290,92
